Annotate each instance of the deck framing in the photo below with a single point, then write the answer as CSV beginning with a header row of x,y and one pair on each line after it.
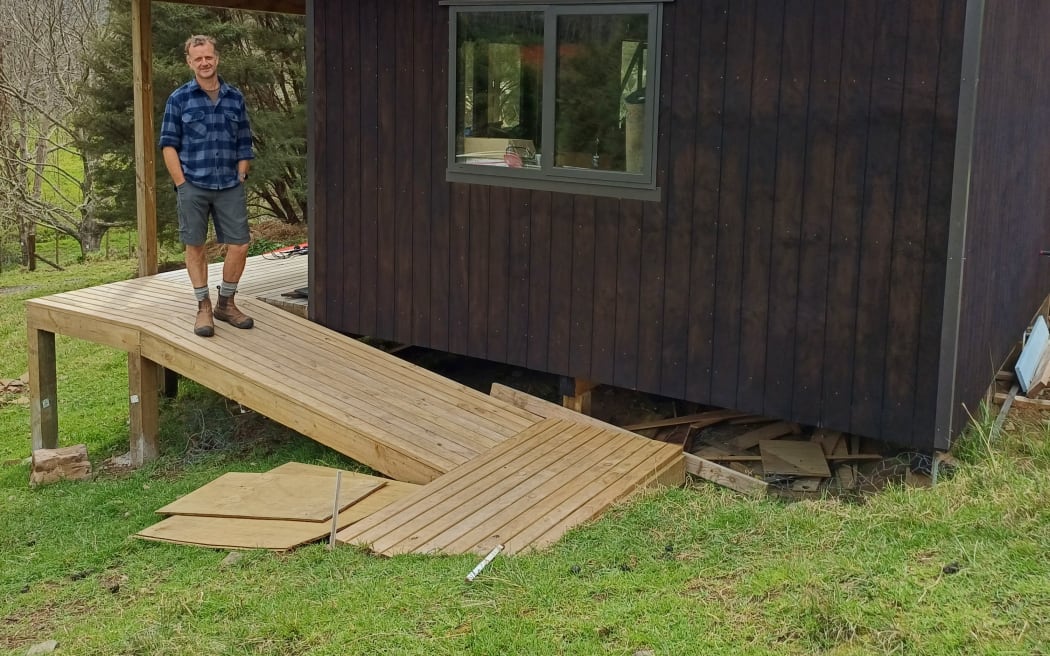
x,y
493,472
400,419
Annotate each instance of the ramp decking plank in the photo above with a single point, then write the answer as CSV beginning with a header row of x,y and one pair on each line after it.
x,y
555,475
406,511
485,491
351,434
315,353
615,485
360,399
387,413
381,370
500,519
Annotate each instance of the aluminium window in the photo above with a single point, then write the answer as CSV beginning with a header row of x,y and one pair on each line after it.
x,y
555,96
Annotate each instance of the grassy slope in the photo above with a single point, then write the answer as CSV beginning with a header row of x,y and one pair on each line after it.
x,y
692,571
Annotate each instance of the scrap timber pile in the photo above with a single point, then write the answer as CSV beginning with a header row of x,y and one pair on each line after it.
x,y
783,455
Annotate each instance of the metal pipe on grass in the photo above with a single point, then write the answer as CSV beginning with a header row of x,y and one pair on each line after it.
x,y
484,563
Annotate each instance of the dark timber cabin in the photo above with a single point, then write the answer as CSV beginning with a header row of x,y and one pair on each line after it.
x,y
826,211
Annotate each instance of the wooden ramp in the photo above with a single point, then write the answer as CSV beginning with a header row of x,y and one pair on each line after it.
x,y
399,419
523,494
494,472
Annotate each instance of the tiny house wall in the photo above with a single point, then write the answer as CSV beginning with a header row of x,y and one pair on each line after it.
x,y
1001,216
794,266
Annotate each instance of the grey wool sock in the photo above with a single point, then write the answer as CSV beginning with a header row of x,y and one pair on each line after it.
x,y
201,293
227,288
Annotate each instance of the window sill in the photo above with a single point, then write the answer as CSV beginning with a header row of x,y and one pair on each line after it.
x,y
503,176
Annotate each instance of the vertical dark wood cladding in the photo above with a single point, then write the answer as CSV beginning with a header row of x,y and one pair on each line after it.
x,y
949,80
818,195
1005,279
794,267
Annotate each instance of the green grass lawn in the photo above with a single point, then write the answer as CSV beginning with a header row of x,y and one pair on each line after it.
x,y
958,569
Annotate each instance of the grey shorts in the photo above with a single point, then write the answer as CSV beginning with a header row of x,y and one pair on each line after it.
x,y
227,208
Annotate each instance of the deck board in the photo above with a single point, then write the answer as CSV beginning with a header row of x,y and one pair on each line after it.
x,y
493,472
482,479
515,500
393,416
371,369
523,494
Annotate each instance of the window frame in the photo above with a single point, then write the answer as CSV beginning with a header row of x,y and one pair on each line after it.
x,y
620,184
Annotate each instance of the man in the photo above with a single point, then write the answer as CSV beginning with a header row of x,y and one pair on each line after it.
x,y
206,141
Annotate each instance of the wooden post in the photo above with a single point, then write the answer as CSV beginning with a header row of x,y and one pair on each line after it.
x,y
576,394
144,378
43,389
145,141
31,247
171,384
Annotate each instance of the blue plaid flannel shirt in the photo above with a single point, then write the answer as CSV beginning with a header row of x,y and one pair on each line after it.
x,y
210,138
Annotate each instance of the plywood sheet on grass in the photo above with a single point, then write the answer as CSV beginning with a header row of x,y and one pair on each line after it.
x,y
277,535
524,494
235,532
271,496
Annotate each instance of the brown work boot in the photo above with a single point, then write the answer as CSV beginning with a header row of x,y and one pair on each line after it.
x,y
204,326
226,310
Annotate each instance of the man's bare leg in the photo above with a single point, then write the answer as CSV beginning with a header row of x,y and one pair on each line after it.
x,y
197,268
233,265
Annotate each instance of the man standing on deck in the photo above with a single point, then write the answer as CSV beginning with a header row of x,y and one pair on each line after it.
x,y
206,141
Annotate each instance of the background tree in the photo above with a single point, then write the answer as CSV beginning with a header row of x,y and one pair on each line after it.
x,y
264,55
45,175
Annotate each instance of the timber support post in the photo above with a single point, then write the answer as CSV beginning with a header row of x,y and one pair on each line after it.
x,y
171,384
43,389
145,140
144,384
576,394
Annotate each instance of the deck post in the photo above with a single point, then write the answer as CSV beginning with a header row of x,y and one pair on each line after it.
x,y
144,382
171,384
145,141
576,394
43,389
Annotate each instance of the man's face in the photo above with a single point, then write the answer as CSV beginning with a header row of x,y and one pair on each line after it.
x,y
203,61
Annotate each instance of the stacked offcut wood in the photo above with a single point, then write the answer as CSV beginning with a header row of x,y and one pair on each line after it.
x,y
768,451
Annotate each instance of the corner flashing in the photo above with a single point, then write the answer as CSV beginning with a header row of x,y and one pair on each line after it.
x,y
960,205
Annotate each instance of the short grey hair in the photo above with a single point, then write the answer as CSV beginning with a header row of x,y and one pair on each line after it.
x,y
200,40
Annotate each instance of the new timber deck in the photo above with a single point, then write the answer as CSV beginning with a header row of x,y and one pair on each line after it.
x,y
523,494
399,419
493,472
